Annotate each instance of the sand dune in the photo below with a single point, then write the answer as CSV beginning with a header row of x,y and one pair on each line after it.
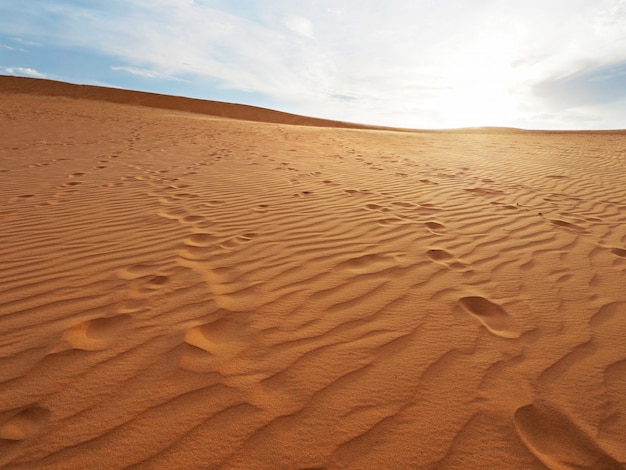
x,y
185,290
36,86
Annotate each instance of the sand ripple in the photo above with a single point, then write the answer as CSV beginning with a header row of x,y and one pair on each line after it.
x,y
187,291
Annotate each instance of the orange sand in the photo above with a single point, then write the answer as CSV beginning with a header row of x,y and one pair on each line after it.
x,y
188,291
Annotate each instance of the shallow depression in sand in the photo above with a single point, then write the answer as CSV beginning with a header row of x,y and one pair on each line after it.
x,y
25,424
491,315
557,441
98,333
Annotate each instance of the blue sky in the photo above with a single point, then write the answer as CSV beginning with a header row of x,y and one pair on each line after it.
x,y
539,64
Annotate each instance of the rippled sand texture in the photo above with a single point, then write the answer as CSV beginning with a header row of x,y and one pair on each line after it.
x,y
186,291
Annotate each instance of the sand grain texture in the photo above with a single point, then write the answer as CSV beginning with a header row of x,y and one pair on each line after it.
x,y
184,290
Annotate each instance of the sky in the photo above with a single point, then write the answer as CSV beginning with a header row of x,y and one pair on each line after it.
x,y
534,64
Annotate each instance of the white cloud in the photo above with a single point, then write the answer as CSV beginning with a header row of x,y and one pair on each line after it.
x,y
145,73
25,42
21,71
300,25
421,63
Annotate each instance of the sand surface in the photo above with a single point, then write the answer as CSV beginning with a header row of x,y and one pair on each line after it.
x,y
181,290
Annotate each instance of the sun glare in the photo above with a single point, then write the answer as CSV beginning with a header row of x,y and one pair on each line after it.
x,y
480,80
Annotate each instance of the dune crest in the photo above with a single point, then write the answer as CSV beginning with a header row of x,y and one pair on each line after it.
x,y
184,290
43,87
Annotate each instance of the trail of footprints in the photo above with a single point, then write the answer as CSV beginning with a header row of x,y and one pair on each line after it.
x,y
101,333
491,315
211,345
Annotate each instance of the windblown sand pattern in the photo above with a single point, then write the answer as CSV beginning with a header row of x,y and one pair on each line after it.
x,y
188,291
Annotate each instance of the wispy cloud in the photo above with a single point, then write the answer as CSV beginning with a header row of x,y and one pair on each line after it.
x,y
421,63
145,73
24,42
23,71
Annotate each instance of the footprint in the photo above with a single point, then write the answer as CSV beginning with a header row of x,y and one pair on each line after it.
x,y
484,191
94,335
220,337
569,225
208,346
21,197
261,208
376,207
403,204
368,264
185,196
249,236
357,192
619,252
446,258
393,221
458,266
157,282
435,227
70,183
439,255
555,440
25,424
238,240
200,240
491,315
136,271
610,319
192,219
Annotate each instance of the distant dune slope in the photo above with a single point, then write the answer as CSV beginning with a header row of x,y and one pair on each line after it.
x,y
36,86
42,87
